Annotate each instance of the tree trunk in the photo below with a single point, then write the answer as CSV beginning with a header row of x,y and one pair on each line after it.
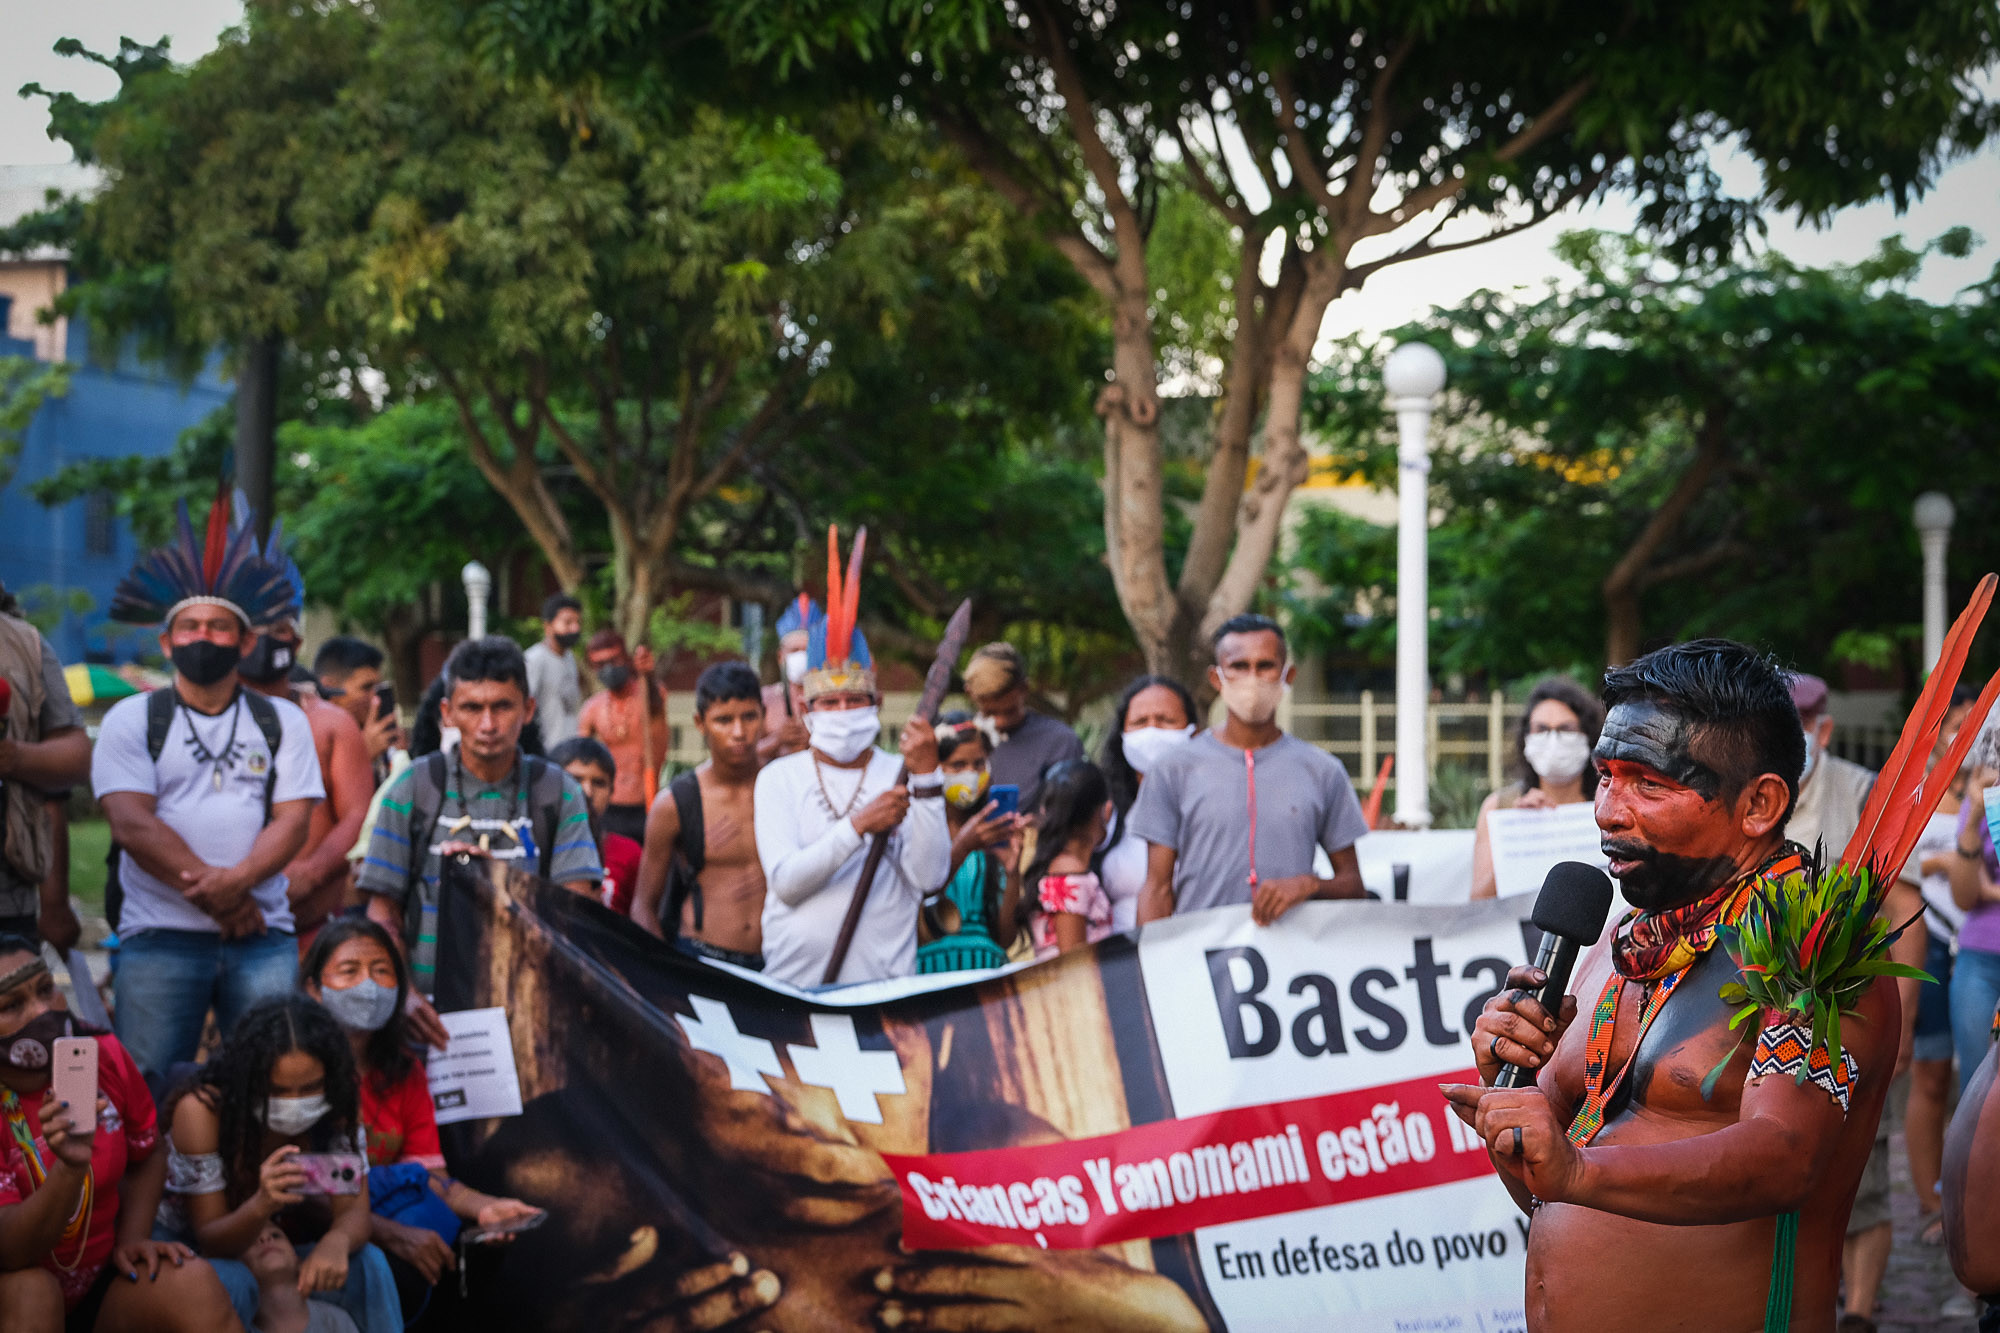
x,y
1134,481
1629,577
257,427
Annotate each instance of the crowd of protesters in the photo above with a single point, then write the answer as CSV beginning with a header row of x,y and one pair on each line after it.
x,y
279,845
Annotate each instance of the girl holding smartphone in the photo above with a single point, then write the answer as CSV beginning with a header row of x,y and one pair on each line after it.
x,y
283,1084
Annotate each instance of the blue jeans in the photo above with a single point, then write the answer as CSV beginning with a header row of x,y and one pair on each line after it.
x,y
169,979
1975,990
369,1296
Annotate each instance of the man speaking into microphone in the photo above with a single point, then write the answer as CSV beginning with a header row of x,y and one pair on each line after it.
x,y
1656,1206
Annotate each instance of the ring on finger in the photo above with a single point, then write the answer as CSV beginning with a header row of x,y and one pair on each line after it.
x,y
1493,1049
1517,1141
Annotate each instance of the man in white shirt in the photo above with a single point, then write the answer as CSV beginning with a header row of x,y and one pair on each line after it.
x,y
208,789
554,681
817,810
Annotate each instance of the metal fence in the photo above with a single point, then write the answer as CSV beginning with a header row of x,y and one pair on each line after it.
x,y
1477,735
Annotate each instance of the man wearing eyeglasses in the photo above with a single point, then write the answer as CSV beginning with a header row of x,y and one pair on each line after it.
x,y
1234,815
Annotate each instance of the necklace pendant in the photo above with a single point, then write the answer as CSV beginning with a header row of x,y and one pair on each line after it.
x,y
216,780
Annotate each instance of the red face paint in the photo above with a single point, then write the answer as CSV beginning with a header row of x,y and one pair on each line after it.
x,y
1669,842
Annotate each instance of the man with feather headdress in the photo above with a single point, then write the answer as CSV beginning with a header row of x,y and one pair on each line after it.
x,y
208,788
1690,1151
816,811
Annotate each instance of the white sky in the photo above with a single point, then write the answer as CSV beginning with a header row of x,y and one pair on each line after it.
x,y
1967,194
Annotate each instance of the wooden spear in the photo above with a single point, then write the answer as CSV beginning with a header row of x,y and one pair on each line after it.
x,y
936,681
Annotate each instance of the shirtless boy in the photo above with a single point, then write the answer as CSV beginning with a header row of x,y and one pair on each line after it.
x,y
723,916
1665,1217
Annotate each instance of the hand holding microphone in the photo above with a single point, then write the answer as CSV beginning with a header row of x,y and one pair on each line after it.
x,y
1517,1033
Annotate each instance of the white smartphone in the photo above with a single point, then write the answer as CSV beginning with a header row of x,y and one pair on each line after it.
x,y
74,1080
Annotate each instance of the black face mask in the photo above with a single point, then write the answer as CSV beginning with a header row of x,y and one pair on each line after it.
x,y
614,677
567,641
205,663
270,660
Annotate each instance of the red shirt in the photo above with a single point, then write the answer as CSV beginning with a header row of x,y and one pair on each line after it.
x,y
621,871
128,1131
399,1119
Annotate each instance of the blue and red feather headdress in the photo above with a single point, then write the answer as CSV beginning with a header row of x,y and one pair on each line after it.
x,y
226,568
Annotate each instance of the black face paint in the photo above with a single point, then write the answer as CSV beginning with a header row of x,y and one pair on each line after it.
x,y
1660,880
1660,738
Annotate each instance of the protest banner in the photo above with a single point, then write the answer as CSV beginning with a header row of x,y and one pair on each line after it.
x,y
1219,1126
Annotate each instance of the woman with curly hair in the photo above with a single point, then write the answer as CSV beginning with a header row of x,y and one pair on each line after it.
x,y
1552,764
284,1083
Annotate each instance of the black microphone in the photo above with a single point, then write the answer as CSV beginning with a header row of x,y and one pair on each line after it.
x,y
1570,910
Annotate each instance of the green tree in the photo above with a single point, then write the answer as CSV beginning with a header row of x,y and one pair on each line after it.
x,y
25,384
645,298
1658,452
1334,141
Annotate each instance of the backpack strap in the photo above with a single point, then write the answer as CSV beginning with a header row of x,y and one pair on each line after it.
x,y
427,779
690,852
266,716
545,790
159,719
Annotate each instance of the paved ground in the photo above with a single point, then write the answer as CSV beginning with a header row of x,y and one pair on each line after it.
x,y
1919,1282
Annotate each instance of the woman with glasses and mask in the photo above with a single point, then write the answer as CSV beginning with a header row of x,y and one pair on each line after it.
x,y
357,974
1551,764
283,1084
76,1205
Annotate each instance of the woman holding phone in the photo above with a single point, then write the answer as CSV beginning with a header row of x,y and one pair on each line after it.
x,y
357,974
985,883
78,1185
257,1136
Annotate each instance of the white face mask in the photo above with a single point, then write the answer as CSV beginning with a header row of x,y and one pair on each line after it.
x,y
1252,699
841,735
447,739
795,666
1812,755
292,1116
1558,756
1148,745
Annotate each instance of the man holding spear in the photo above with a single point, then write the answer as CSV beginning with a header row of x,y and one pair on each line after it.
x,y
817,812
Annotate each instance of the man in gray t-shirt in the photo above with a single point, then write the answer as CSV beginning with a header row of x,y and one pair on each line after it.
x,y
1213,844
43,752
1031,743
554,682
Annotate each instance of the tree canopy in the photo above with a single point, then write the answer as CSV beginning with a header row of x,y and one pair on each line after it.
x,y
1658,452
1328,142
667,310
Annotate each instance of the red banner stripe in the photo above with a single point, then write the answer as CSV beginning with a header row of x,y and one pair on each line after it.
x,y
1174,1176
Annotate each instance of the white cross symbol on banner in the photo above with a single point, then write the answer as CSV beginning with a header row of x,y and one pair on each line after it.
x,y
836,1061
713,1029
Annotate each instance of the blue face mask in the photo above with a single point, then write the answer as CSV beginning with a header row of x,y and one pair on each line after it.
x,y
363,1007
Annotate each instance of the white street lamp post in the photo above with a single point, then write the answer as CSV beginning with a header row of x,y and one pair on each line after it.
x,y
1932,513
1414,376
478,584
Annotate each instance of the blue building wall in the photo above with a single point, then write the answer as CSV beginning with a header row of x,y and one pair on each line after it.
x,y
110,411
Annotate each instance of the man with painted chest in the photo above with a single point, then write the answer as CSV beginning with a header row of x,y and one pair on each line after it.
x,y
1659,1202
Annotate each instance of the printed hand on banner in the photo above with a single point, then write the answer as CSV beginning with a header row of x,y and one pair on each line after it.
x,y
1013,1290
1548,1165
716,1296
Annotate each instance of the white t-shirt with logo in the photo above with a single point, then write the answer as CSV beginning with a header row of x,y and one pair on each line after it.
x,y
218,825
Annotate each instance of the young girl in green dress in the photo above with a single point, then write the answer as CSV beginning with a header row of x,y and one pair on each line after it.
x,y
985,881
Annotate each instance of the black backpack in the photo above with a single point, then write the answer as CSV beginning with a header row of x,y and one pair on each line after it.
x,y
687,858
160,705
544,781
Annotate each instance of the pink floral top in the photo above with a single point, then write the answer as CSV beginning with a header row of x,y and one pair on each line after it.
x,y
1080,894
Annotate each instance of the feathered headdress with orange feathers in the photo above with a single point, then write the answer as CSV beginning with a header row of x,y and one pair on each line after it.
x,y
837,660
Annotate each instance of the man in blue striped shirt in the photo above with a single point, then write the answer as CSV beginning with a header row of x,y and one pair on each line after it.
x,y
482,796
